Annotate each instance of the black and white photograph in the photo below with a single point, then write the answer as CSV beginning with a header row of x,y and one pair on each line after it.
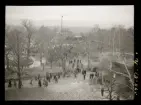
x,y
69,52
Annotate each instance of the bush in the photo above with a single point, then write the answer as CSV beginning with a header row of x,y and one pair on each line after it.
x,y
104,64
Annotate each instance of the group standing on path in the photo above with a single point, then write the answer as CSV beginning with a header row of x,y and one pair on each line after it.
x,y
10,83
42,81
48,78
79,68
56,76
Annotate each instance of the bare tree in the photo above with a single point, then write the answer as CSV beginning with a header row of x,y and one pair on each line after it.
x,y
110,83
44,40
7,53
41,50
7,47
16,43
30,30
128,75
62,53
52,56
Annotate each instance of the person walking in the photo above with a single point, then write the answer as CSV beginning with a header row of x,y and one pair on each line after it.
x,y
15,83
102,91
39,83
58,75
77,63
31,82
75,74
94,69
10,83
91,76
96,77
84,73
45,82
50,76
55,78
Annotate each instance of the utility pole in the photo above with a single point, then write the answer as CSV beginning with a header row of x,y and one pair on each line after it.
x,y
64,60
61,23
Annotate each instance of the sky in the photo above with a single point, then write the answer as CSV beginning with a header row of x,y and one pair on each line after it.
x,y
85,16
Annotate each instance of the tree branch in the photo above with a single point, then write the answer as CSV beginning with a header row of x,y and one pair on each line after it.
x,y
128,73
120,73
126,85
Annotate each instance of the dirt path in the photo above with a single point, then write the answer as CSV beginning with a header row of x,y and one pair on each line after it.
x,y
65,89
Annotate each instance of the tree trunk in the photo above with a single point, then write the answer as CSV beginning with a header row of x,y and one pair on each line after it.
x,y
110,95
63,67
65,60
28,56
19,80
27,51
102,77
88,61
7,61
88,56
114,44
18,65
111,89
62,64
40,58
28,48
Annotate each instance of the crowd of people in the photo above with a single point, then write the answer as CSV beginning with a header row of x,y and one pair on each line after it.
x,y
48,78
44,81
